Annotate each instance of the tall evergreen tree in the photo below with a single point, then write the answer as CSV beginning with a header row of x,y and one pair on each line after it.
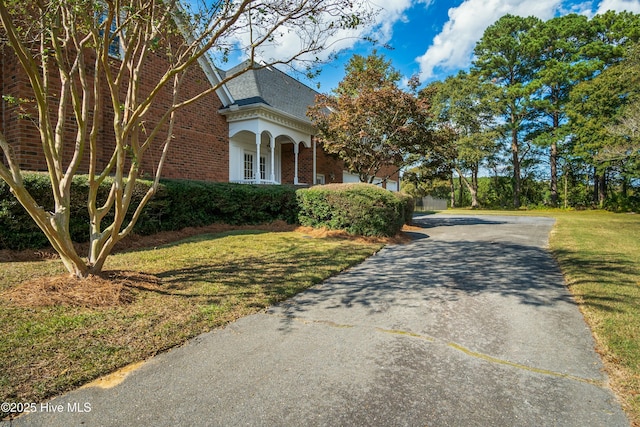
x,y
560,43
599,103
507,55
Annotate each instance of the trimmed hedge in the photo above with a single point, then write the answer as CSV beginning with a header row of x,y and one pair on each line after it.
x,y
359,209
177,204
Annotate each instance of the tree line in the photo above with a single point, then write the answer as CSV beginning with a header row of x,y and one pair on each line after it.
x,y
554,102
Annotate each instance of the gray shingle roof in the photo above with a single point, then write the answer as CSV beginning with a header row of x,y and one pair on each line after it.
x,y
272,87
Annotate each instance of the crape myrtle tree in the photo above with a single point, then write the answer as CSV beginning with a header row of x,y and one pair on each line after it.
x,y
64,47
370,122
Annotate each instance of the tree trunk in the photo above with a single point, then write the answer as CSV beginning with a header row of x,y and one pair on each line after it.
x,y
516,167
602,189
553,159
596,183
566,191
453,190
474,189
461,194
55,227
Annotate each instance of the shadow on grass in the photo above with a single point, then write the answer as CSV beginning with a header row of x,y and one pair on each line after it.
x,y
274,276
609,285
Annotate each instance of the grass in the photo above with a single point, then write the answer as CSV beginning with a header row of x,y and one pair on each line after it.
x,y
600,257
209,280
198,284
599,254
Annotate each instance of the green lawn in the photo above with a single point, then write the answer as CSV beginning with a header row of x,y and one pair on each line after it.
x,y
207,281
599,254
200,283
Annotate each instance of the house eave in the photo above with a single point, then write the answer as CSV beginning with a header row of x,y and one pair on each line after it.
x,y
239,113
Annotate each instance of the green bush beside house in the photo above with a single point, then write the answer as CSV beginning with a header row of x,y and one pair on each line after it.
x,y
177,204
360,209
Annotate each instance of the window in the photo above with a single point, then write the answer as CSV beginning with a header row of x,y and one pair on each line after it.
x,y
115,47
248,166
320,179
263,167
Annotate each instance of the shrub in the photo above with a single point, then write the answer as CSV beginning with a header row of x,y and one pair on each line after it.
x,y
619,203
359,209
177,204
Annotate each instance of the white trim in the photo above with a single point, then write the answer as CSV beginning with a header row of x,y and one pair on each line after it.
x,y
205,62
214,79
277,122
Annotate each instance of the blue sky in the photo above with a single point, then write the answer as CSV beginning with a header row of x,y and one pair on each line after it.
x,y
435,38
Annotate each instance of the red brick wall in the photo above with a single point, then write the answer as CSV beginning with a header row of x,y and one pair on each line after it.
x,y
325,164
287,164
328,165
199,148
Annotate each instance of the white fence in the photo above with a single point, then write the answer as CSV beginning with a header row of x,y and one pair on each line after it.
x,y
429,203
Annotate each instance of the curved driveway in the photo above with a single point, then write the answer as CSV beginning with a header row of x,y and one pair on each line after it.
x,y
469,325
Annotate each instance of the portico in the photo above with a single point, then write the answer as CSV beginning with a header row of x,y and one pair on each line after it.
x,y
258,135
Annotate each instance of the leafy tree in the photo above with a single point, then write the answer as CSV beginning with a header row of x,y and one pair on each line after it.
x,y
463,102
626,153
69,42
561,42
507,56
597,105
369,122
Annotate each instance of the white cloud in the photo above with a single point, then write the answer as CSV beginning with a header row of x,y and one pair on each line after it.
x,y
391,11
453,47
289,41
619,5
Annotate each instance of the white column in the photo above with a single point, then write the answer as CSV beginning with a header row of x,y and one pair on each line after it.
x,y
256,171
313,138
272,142
296,149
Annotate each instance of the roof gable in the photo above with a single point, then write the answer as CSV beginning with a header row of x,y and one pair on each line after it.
x,y
272,87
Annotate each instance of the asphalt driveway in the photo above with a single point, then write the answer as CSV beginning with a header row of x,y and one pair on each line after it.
x,y
469,325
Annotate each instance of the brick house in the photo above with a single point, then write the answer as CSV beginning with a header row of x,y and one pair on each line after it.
x,y
268,116
253,130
